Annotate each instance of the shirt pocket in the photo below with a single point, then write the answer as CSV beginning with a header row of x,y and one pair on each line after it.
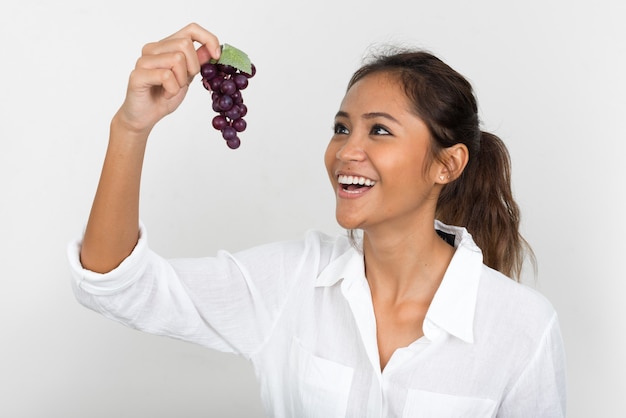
x,y
421,403
319,387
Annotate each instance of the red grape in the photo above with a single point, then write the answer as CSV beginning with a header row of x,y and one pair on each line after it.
x,y
233,143
239,125
228,132
219,122
241,81
208,70
225,102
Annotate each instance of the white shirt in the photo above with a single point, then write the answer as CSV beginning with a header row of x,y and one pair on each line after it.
x,y
302,313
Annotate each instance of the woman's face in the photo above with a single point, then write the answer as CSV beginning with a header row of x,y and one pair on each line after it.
x,y
377,156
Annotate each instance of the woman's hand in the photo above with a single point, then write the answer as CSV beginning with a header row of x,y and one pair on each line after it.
x,y
162,75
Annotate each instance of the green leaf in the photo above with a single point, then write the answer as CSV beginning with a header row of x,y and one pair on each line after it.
x,y
235,58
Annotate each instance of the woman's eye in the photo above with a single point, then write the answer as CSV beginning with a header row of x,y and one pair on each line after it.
x,y
340,129
380,130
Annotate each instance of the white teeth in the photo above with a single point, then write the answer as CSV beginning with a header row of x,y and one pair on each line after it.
x,y
342,179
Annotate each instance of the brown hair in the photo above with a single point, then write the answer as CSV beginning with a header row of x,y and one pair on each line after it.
x,y
480,199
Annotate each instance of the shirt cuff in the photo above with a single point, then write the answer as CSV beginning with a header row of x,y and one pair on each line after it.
x,y
121,277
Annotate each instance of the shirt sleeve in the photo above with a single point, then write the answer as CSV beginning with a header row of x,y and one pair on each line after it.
x,y
229,302
540,391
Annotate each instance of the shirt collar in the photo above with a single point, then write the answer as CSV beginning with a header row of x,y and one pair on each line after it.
x,y
452,308
348,266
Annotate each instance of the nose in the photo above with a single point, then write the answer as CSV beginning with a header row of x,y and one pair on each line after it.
x,y
351,150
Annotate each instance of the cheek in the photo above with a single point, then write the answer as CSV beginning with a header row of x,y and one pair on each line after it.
x,y
329,158
409,175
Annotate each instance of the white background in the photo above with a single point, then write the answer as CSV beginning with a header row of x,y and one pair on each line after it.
x,y
550,81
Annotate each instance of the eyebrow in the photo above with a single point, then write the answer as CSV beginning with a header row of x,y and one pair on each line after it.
x,y
370,115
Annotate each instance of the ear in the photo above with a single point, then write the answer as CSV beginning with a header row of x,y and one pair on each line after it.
x,y
454,161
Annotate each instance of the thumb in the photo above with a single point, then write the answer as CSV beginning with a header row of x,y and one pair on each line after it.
x,y
204,55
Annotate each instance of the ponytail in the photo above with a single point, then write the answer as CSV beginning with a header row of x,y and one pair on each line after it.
x,y
482,201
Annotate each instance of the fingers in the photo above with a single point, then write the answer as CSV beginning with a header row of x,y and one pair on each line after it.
x,y
143,79
198,34
169,67
182,43
194,33
173,53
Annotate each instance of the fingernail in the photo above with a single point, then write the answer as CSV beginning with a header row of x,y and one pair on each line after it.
x,y
218,52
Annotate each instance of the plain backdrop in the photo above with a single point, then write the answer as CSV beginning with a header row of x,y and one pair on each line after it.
x,y
549,76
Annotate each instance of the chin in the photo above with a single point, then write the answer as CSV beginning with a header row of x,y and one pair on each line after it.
x,y
348,222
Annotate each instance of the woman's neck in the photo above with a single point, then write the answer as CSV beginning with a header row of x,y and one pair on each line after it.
x,y
405,264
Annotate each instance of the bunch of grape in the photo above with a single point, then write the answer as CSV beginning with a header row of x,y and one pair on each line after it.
x,y
226,83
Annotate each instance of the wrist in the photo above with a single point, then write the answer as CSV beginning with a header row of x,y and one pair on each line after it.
x,y
122,129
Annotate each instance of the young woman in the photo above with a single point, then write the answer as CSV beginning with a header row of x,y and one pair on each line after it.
x,y
407,318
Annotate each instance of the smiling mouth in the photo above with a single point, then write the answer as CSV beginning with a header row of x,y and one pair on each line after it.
x,y
354,184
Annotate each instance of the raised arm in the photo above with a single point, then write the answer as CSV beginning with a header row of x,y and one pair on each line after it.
x,y
156,87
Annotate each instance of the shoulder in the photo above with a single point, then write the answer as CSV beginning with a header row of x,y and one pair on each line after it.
x,y
506,307
313,248
496,286
310,241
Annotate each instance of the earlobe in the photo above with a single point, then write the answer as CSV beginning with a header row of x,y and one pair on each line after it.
x,y
455,161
